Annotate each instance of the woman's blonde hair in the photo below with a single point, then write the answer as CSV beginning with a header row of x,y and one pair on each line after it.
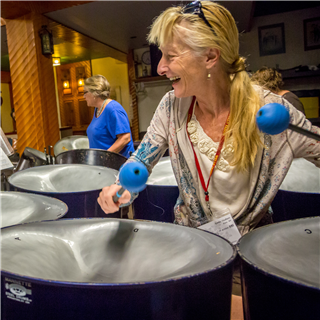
x,y
98,85
244,100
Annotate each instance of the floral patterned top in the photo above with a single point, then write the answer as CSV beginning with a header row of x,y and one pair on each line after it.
x,y
271,165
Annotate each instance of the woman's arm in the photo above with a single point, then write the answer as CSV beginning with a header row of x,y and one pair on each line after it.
x,y
122,140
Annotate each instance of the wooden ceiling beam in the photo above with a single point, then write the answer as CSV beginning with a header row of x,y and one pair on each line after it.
x,y
16,9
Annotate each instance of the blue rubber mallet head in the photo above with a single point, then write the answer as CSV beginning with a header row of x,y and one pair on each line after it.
x,y
133,177
273,118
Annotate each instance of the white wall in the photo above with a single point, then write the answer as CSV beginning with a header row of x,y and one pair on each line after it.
x,y
294,40
149,96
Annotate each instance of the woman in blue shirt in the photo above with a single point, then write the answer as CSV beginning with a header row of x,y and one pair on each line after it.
x,y
110,127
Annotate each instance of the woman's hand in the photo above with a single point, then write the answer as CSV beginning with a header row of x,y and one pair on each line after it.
x,y
106,202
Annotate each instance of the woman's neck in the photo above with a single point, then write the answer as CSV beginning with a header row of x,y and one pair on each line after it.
x,y
213,108
99,103
214,98
282,92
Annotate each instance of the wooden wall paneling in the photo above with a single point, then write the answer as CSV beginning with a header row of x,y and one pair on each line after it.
x,y
32,85
47,89
68,111
134,98
84,112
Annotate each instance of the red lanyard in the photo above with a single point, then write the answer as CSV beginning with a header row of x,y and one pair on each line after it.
x,y
204,186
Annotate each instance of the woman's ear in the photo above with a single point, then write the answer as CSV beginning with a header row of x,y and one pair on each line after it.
x,y
212,57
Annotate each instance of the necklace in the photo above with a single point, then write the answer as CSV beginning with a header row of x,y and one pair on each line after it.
x,y
101,109
204,185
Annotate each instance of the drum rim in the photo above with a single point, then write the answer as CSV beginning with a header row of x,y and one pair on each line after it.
x,y
46,193
272,274
300,192
93,149
124,284
41,196
161,186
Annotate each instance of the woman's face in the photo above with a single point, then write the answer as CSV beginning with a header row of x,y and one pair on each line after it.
x,y
89,97
186,71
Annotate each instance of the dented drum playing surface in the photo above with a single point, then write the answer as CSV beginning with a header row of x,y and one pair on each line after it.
x,y
71,143
75,184
281,270
122,269
20,207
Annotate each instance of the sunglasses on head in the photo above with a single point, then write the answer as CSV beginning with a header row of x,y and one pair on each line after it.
x,y
84,92
196,8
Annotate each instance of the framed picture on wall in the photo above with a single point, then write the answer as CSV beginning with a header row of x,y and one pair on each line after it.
x,y
271,39
311,28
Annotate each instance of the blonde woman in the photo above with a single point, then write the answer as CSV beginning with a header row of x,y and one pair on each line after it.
x,y
213,100
211,114
110,127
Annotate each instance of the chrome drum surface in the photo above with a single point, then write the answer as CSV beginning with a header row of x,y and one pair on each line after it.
x,y
280,270
75,184
20,207
115,269
71,143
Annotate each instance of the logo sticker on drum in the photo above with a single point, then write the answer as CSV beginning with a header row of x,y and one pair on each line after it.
x,y
18,290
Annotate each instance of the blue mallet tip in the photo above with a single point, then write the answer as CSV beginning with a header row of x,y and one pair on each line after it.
x,y
133,176
273,118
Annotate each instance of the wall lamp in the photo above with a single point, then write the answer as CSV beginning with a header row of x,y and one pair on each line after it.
x,y
65,78
66,84
46,41
56,62
80,75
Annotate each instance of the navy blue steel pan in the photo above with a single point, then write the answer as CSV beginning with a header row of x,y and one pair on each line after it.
x,y
77,185
280,268
114,269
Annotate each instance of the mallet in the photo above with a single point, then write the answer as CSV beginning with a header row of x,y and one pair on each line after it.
x,y
273,118
133,177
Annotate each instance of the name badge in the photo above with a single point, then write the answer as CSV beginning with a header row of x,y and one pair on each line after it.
x,y
223,226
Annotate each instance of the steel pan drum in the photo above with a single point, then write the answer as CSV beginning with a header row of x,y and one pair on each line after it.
x,y
95,157
114,269
299,193
280,267
20,207
157,201
31,158
75,184
71,143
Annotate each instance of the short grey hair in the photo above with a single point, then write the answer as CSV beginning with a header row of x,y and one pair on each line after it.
x,y
98,85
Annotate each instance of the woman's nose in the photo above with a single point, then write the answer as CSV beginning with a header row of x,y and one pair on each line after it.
x,y
162,68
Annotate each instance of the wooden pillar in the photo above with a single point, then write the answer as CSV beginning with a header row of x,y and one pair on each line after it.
x,y
132,89
33,85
